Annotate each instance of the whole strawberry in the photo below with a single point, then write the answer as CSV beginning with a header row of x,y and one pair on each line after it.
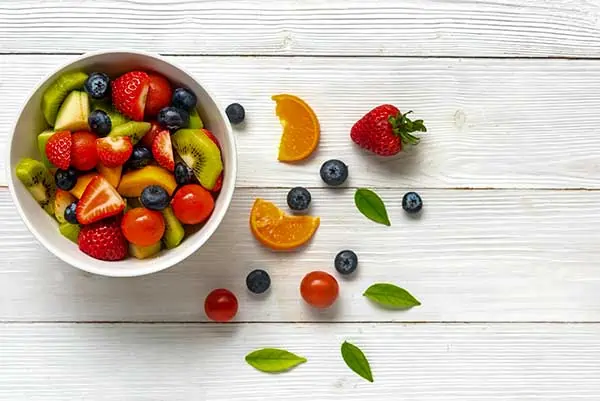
x,y
58,149
384,130
103,240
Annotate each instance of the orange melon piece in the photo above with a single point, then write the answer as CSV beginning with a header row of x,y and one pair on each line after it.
x,y
133,183
82,183
112,174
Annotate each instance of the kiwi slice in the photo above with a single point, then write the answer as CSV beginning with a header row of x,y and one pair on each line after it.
x,y
70,231
73,113
200,154
58,91
116,118
38,180
42,140
173,229
144,252
195,120
133,129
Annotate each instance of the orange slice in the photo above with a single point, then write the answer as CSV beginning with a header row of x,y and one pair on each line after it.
x,y
276,230
300,128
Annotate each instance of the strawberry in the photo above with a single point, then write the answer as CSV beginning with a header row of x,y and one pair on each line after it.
x,y
162,150
219,183
129,93
58,149
83,151
99,201
114,151
159,94
103,240
148,139
384,130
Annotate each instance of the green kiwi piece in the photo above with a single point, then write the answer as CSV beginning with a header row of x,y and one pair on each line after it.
x,y
133,129
56,93
195,120
132,203
116,118
73,113
70,231
42,140
144,252
200,154
38,181
173,229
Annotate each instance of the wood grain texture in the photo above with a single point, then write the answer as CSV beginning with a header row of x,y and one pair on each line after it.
x,y
309,27
206,362
472,256
505,124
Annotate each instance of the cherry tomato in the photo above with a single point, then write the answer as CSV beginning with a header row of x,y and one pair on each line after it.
x,y
192,204
319,289
143,227
220,305
83,151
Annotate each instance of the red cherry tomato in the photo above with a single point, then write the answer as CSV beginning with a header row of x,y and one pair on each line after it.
x,y
143,227
192,204
83,151
319,289
221,305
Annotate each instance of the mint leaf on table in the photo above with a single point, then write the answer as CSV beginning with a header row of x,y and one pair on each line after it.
x,y
391,296
273,360
357,361
371,205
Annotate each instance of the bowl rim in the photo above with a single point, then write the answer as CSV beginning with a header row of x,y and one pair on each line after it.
x,y
100,267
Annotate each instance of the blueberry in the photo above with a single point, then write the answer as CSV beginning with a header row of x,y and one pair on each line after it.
x,y
70,213
184,99
258,281
183,174
411,202
334,172
140,157
236,113
97,85
99,122
298,198
66,179
155,197
173,118
346,262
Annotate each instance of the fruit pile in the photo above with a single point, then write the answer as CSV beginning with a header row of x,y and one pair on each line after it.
x,y
125,163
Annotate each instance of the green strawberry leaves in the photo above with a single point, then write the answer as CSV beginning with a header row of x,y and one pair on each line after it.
x,y
370,204
357,361
273,360
391,296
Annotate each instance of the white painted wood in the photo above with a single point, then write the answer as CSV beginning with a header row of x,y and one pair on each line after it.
x,y
502,123
473,256
515,362
308,27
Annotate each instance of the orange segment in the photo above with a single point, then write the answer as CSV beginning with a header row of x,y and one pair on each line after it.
x,y
300,128
278,231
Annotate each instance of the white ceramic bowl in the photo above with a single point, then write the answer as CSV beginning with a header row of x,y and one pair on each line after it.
x,y
23,143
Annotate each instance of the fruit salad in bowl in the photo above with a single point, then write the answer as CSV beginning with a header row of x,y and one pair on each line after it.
x,y
122,164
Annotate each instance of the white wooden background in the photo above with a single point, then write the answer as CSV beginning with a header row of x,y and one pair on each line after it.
x,y
504,258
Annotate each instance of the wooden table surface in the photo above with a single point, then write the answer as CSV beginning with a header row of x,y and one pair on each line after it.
x,y
505,259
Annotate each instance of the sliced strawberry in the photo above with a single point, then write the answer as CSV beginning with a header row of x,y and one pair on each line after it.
x,y
159,94
58,149
148,139
114,151
162,150
99,201
219,183
129,93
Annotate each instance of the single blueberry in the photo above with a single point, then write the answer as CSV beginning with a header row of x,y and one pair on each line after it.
x,y
97,85
258,281
70,213
334,172
346,262
99,122
412,202
235,113
184,99
173,118
140,157
183,174
66,179
298,198
154,197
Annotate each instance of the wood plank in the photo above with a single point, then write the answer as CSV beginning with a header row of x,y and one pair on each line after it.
x,y
492,123
288,27
473,256
206,362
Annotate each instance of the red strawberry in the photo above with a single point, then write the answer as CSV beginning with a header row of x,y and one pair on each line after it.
x,y
129,93
162,150
103,240
219,183
159,94
99,201
83,151
148,139
114,151
384,130
58,149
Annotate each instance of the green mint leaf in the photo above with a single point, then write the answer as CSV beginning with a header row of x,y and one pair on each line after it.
x,y
356,360
273,360
371,205
391,296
